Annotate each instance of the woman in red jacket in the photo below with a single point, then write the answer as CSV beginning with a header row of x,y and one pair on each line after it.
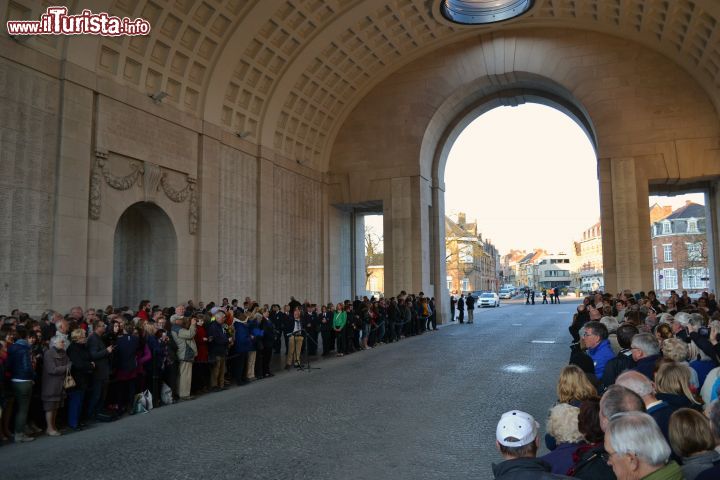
x,y
201,367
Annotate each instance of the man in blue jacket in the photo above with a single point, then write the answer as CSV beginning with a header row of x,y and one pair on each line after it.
x,y
598,346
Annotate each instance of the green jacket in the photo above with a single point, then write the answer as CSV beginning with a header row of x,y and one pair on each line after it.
x,y
671,471
339,320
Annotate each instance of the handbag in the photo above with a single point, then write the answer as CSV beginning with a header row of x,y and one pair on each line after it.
x,y
69,380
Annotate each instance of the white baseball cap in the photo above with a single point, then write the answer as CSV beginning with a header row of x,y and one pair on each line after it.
x,y
519,425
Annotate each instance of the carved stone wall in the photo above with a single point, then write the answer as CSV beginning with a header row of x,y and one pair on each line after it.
x,y
237,232
297,238
28,144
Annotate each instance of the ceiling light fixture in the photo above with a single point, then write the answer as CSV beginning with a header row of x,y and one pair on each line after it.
x,y
479,12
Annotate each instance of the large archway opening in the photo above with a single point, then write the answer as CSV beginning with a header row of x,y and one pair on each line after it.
x,y
522,202
144,257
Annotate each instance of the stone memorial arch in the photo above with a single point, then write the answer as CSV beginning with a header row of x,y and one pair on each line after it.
x,y
256,130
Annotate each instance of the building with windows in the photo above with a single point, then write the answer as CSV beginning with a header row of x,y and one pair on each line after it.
x,y
589,261
526,276
553,270
679,250
509,267
471,262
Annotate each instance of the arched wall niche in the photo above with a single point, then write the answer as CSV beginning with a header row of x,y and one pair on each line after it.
x,y
136,188
144,257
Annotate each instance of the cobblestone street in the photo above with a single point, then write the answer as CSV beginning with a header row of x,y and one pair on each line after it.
x,y
425,408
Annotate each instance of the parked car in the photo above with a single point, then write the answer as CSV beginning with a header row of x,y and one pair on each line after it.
x,y
489,299
506,293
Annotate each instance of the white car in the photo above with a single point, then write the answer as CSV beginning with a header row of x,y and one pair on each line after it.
x,y
506,293
489,299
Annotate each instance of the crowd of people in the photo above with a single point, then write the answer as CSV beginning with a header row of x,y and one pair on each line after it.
x,y
67,370
638,399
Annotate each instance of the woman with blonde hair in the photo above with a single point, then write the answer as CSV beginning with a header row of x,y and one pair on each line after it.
x,y
573,386
672,382
692,440
677,351
562,425
663,332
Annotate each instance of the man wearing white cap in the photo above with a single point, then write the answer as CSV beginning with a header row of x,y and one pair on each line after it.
x,y
518,442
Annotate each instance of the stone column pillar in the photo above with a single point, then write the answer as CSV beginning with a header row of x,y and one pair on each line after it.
x,y
207,286
70,250
625,223
712,199
405,214
266,232
437,256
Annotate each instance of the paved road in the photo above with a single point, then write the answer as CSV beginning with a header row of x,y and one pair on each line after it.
x,y
425,408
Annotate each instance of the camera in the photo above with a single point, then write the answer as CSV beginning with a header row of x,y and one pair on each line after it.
x,y
704,332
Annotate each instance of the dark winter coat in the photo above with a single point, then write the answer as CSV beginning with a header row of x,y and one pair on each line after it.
x,y
524,469
99,354
218,341
615,366
82,368
243,342
19,362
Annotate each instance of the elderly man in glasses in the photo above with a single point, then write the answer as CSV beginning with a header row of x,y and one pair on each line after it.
x,y
636,449
598,346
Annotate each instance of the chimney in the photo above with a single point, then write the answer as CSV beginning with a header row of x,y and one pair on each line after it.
x,y
461,219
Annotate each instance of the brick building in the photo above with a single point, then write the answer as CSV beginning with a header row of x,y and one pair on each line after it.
x,y
471,262
679,250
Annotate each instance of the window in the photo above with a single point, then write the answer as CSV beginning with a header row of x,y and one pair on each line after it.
x,y
669,279
692,226
695,278
557,273
464,285
448,279
372,284
466,253
666,228
654,253
694,251
667,252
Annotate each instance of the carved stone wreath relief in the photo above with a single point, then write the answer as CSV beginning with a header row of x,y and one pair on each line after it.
x,y
150,177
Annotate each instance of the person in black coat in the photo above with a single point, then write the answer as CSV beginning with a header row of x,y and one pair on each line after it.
x,y
325,318
287,325
268,340
311,324
276,319
100,355
126,350
81,371
218,344
623,361
461,308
